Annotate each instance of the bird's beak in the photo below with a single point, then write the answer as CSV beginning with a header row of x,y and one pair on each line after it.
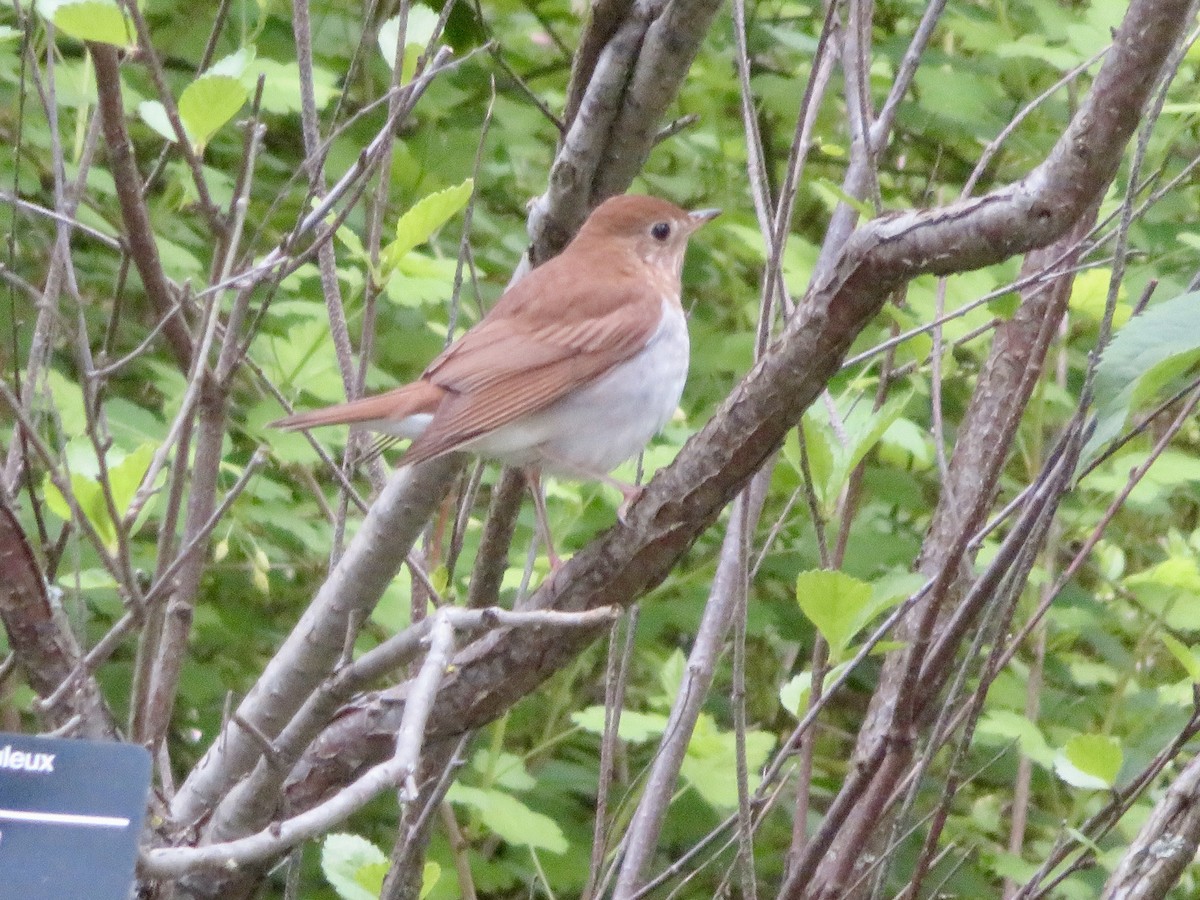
x,y
700,217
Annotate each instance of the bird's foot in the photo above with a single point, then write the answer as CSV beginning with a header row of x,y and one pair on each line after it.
x,y
632,493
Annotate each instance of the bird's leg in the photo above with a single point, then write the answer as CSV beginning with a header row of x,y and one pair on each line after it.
x,y
629,492
534,477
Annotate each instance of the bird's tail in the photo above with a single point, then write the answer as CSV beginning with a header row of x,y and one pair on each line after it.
x,y
404,411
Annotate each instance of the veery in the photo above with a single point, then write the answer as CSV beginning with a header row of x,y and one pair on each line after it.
x,y
573,371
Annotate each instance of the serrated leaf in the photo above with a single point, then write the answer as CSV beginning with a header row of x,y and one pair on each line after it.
x,y
1090,761
425,217
207,104
835,603
510,819
101,21
1142,356
353,866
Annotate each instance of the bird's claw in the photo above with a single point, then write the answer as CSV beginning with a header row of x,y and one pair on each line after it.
x,y
631,494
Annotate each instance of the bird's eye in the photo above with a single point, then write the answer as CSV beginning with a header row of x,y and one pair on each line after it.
x,y
661,231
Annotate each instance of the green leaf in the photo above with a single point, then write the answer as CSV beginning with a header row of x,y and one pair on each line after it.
x,y
281,85
90,498
711,759
418,31
1011,726
1167,590
101,21
1089,297
125,473
822,447
510,819
918,347
670,677
505,770
836,604
1035,47
154,114
126,476
832,194
795,691
207,104
55,500
304,357
425,217
349,239
1089,761
1186,655
234,65
834,450
634,727
889,589
865,428
1005,306
419,278
1145,354
353,866
430,876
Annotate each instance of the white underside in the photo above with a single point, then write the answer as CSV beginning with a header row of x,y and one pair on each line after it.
x,y
596,428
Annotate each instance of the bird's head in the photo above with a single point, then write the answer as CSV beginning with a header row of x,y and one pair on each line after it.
x,y
652,230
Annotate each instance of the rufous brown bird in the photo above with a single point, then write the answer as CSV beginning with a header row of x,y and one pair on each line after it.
x,y
572,372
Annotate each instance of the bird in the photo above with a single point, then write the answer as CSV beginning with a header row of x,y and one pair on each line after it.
x,y
572,372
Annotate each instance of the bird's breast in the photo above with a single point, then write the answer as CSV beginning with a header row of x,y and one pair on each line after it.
x,y
598,426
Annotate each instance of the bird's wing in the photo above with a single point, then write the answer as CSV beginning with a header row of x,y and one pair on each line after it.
x,y
514,364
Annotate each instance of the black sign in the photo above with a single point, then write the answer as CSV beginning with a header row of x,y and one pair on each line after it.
x,y
70,817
